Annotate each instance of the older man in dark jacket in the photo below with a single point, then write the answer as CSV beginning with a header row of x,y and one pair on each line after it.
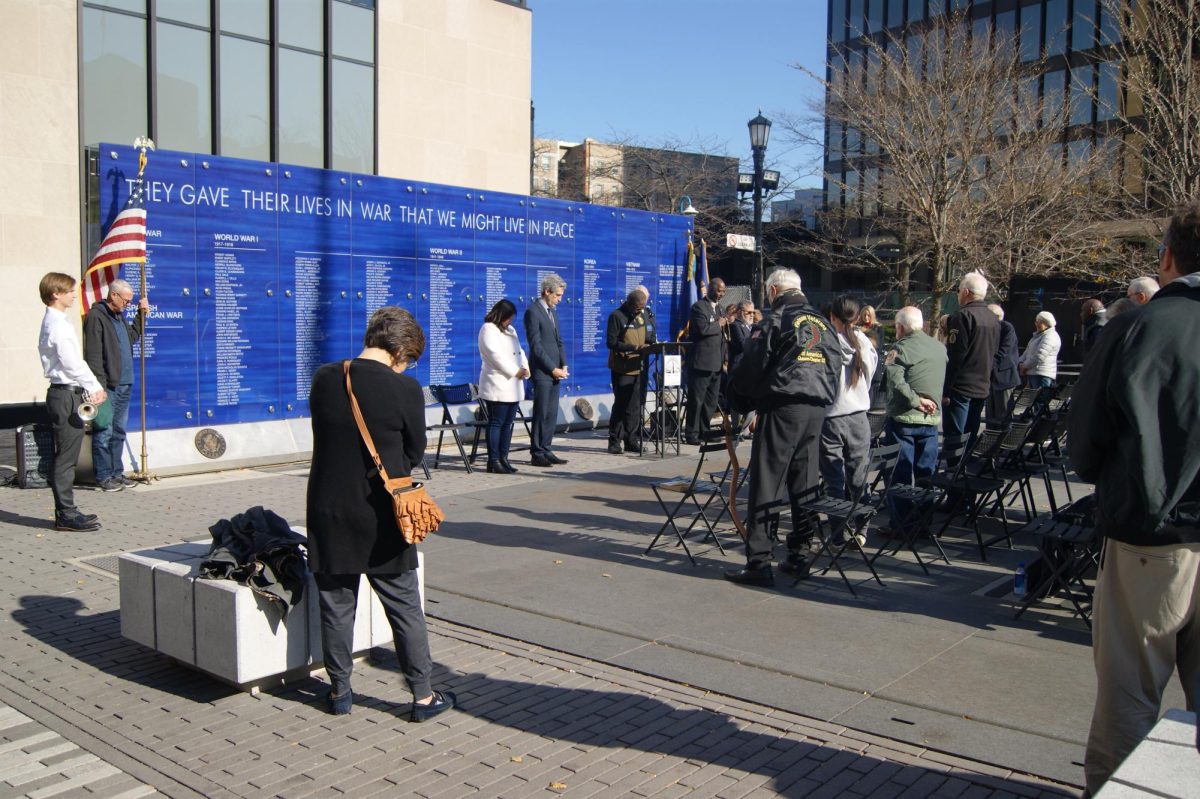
x,y
1005,374
1135,433
791,369
973,336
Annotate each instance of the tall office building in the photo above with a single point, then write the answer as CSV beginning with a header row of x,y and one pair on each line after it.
x,y
1074,37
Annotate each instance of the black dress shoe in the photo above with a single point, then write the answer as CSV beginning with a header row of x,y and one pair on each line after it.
x,y
633,446
76,524
691,440
557,461
508,467
541,463
760,577
442,701
339,705
614,448
495,467
795,567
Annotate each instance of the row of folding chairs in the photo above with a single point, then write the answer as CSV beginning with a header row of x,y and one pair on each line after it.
x,y
452,398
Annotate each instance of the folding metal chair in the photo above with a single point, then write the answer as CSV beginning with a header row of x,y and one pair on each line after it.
x,y
848,517
1069,548
974,484
692,489
922,500
456,396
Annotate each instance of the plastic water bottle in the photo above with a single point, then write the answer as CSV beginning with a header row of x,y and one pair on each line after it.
x,y
1019,580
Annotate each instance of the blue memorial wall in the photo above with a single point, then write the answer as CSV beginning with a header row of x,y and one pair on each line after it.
x,y
257,273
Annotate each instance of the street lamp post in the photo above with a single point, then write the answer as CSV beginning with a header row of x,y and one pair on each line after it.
x,y
760,131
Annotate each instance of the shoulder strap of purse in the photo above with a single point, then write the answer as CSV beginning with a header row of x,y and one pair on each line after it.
x,y
362,425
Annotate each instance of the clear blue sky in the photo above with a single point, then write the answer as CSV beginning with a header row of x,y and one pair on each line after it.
x,y
692,69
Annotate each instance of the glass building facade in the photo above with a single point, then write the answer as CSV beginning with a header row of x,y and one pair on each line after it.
x,y
1073,39
271,80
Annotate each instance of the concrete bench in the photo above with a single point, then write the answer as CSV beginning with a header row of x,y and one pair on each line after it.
x,y
1165,763
223,628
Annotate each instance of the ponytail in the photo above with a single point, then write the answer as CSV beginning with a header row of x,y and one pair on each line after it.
x,y
845,310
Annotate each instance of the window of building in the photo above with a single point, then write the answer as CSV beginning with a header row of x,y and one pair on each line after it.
x,y
875,16
1108,93
245,99
319,110
916,10
1053,87
302,108
1081,94
190,12
855,23
184,88
1006,28
113,88
895,13
937,7
353,116
1031,33
1083,25
1056,27
1110,26
246,17
837,21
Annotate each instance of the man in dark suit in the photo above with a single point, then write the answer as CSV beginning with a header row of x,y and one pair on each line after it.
x,y
706,330
547,366
1005,376
739,334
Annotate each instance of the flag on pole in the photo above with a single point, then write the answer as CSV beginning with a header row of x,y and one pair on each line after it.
x,y
688,295
124,243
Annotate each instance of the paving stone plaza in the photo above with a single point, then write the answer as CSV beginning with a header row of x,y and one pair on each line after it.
x,y
583,667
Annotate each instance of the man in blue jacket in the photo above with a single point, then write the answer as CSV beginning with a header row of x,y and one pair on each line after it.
x,y
1135,432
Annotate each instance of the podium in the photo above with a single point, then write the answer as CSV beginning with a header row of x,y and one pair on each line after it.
x,y
662,427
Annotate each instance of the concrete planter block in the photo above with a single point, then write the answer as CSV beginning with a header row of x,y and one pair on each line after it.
x,y
136,574
174,620
242,637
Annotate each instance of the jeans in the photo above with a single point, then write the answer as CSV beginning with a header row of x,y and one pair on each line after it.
x,y
918,459
1038,381
962,416
109,444
499,430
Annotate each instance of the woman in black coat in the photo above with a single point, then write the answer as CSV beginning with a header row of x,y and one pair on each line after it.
x,y
351,527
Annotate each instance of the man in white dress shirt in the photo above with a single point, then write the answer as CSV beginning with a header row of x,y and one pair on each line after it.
x,y
71,384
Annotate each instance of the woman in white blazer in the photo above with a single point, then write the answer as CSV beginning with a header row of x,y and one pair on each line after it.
x,y
1039,364
503,367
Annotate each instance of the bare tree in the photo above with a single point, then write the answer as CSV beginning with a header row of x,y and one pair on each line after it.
x,y
954,163
1159,49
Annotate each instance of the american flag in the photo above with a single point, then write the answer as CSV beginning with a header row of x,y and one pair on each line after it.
x,y
124,243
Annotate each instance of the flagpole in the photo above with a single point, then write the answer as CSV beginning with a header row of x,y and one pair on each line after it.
x,y
143,474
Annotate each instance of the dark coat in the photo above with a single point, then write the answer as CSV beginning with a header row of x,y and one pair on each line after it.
x,y
624,324
1005,373
102,348
793,356
1135,421
707,353
546,352
974,335
351,527
739,333
258,549
1091,330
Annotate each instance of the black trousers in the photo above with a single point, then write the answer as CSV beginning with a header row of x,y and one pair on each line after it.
x,y
338,596
783,465
629,396
703,390
63,403
545,416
